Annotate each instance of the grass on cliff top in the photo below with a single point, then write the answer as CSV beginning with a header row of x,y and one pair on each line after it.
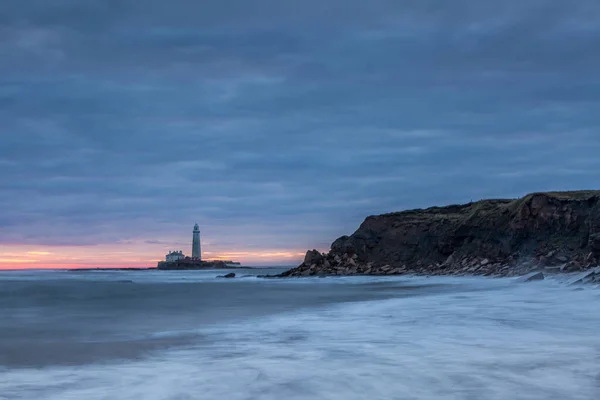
x,y
467,211
572,195
578,195
486,207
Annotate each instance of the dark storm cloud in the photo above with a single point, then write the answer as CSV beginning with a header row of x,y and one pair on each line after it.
x,y
285,122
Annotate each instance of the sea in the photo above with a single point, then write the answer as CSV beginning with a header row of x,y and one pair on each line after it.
x,y
187,335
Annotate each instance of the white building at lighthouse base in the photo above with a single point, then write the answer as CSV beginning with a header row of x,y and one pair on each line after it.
x,y
174,256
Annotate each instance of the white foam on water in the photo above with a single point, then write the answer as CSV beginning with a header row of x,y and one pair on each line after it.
x,y
538,341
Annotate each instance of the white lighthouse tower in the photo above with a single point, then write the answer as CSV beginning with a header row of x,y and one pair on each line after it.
x,y
196,250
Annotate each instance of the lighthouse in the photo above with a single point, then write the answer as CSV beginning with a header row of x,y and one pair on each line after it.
x,y
196,251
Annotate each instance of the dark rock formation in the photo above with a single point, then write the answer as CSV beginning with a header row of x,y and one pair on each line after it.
x,y
594,242
313,257
488,237
229,275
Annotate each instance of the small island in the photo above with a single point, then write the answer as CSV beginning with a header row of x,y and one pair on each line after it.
x,y
176,260
189,263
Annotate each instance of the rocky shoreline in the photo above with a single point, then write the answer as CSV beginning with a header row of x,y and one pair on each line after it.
x,y
555,232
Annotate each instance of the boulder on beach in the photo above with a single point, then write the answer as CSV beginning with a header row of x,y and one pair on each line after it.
x,y
534,276
229,275
585,277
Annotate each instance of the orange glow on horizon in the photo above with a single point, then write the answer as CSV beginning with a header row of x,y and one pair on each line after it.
x,y
130,255
16,261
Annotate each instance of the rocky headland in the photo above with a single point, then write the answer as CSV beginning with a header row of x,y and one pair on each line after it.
x,y
552,232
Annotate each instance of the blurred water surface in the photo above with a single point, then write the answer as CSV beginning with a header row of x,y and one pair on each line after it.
x,y
188,335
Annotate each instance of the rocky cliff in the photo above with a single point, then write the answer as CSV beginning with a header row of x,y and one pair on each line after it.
x,y
557,231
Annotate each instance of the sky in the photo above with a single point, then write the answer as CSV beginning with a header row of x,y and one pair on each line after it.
x,y
279,125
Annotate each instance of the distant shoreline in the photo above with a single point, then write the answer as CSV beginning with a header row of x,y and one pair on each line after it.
x,y
131,268
110,269
157,269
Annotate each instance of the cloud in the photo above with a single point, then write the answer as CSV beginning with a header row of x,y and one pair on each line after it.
x,y
281,125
